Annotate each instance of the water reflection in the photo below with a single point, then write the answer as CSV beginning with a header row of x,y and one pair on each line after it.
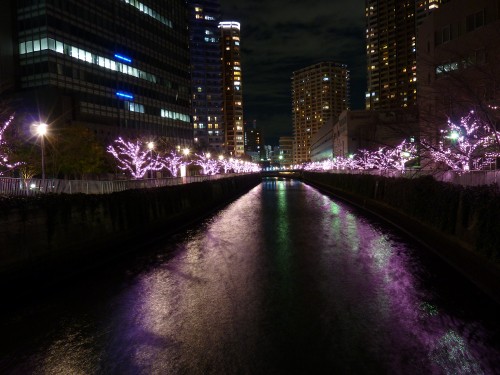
x,y
284,280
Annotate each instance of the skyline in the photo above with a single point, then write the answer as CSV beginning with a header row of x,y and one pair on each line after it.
x,y
274,47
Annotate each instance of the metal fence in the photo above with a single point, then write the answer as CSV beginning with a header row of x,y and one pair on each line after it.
x,y
33,186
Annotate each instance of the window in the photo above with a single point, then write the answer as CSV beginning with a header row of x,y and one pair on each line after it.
x,y
446,34
134,107
80,54
474,21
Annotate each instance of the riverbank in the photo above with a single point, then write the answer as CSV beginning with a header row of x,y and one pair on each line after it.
x,y
47,238
460,224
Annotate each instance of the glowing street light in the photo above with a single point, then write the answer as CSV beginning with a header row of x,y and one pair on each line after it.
x,y
454,135
41,130
151,147
183,167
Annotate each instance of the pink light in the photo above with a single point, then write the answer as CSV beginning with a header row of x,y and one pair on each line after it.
x,y
4,149
134,158
468,145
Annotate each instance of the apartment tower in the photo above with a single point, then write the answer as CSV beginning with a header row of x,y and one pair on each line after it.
x,y
232,93
391,50
319,92
206,75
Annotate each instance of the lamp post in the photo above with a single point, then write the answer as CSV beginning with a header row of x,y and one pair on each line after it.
x,y
185,152
151,146
41,130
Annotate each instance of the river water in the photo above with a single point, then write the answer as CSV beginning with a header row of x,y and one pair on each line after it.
x,y
285,280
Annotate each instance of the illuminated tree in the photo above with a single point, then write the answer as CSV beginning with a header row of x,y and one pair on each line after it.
x,y
172,162
208,165
5,151
134,157
225,164
468,145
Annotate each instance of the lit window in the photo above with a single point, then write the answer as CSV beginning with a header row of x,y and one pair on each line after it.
x,y
134,107
80,54
150,12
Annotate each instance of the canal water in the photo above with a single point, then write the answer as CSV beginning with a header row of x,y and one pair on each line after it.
x,y
285,280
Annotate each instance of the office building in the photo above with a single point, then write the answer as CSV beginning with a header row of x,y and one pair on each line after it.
x,y
459,50
232,93
319,92
286,151
322,142
117,67
206,75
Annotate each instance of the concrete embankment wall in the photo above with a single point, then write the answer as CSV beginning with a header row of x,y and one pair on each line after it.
x,y
49,236
461,224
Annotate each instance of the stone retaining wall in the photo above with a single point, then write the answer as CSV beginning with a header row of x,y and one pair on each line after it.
x,y
52,234
460,224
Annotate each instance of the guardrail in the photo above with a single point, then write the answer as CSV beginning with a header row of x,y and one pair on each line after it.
x,y
470,178
33,186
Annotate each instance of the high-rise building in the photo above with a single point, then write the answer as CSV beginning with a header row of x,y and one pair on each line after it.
x,y
118,67
232,92
254,141
206,75
425,7
319,92
391,50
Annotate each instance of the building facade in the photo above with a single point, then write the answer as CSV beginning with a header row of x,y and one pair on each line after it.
x,y
232,93
459,52
286,151
117,67
322,142
206,75
319,92
371,130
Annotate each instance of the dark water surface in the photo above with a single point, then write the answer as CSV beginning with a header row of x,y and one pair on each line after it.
x,y
283,281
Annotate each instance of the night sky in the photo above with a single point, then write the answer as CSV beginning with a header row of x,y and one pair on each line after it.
x,y
281,36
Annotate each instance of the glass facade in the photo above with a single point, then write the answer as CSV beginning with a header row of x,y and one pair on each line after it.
x,y
121,67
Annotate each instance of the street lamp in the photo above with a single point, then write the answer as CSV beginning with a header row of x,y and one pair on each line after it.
x,y
454,135
184,165
41,130
151,146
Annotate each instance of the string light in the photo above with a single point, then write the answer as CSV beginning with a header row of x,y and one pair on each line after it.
x,y
4,150
134,158
467,145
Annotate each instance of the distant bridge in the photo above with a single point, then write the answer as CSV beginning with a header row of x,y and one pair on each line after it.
x,y
297,173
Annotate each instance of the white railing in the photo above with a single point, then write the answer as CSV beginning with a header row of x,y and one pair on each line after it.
x,y
33,186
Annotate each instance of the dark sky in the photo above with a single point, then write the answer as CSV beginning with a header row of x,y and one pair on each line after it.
x,y
281,36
